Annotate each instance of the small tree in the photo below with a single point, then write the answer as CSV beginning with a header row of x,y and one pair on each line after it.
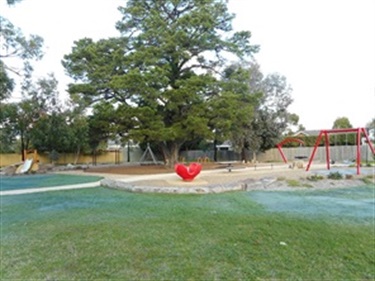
x,y
8,123
270,118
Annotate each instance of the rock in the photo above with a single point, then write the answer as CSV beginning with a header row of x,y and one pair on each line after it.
x,y
9,171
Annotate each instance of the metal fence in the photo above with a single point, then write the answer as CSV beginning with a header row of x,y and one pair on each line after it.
x,y
337,153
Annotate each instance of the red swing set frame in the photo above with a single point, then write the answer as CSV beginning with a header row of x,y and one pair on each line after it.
x,y
326,133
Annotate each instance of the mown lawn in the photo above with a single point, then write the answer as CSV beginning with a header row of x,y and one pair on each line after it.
x,y
107,234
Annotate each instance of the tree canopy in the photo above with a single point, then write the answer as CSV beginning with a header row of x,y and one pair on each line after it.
x,y
14,44
344,139
271,96
342,123
164,70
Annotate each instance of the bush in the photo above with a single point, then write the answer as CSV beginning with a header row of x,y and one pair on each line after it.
x,y
335,176
293,183
315,177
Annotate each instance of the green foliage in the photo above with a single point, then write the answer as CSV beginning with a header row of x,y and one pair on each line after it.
x,y
161,71
15,45
269,117
293,183
6,83
101,124
54,156
315,177
335,176
345,139
8,119
342,123
39,122
51,133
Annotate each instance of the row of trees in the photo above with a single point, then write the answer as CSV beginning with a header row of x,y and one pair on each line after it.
x,y
178,73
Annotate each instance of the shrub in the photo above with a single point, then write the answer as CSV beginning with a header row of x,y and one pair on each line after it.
x,y
293,183
315,177
335,176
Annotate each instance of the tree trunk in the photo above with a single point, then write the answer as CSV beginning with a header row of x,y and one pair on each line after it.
x,y
78,152
215,150
22,146
170,152
254,157
244,155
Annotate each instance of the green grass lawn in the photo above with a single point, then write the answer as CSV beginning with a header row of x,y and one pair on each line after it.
x,y
99,233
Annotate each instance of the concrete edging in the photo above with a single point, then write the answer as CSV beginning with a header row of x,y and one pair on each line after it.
x,y
122,185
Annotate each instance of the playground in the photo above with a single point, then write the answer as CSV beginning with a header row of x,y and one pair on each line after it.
x,y
277,225
282,222
214,178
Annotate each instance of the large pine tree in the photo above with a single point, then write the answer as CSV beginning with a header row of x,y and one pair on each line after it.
x,y
165,69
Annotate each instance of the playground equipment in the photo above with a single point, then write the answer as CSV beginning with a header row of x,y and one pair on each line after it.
x,y
188,173
325,133
150,153
31,164
287,140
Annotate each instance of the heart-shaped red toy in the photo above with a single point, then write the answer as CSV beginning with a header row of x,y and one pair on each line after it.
x,y
188,173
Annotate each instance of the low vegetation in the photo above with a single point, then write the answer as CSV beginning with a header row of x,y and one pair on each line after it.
x,y
293,183
369,179
335,176
315,177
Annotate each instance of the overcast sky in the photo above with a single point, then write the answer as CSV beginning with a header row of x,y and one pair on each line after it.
x,y
325,48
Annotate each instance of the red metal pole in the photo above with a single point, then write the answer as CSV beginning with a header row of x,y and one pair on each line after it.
x,y
314,150
358,151
282,153
368,140
327,150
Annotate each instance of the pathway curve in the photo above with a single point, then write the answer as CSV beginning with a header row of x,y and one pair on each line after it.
x,y
52,188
